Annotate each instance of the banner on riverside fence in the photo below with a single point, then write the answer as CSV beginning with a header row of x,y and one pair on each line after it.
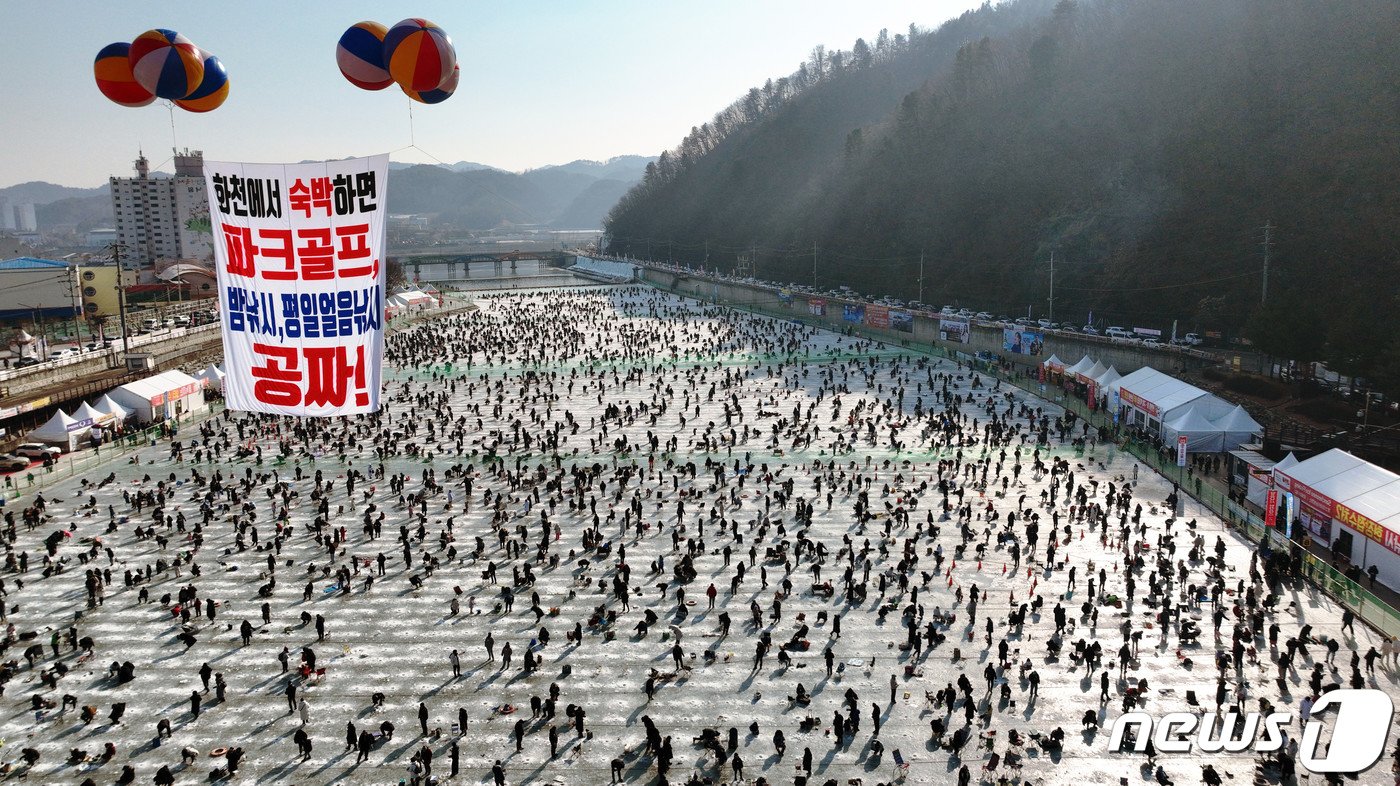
x,y
954,330
298,253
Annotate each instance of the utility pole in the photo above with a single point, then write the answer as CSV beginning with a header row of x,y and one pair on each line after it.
x,y
1268,242
1051,315
121,298
921,275
814,264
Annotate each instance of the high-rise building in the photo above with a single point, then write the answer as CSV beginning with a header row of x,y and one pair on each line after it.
x,y
163,217
7,214
25,218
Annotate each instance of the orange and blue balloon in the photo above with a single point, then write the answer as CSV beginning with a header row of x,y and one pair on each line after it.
x,y
112,70
360,55
439,94
166,63
212,90
419,55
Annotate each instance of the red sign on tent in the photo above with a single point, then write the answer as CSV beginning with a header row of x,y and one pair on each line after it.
x,y
1271,507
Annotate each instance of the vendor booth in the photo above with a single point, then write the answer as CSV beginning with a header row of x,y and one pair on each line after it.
x,y
61,431
1149,398
1349,504
1202,436
166,395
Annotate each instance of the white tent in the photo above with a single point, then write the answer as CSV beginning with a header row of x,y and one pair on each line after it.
x,y
165,395
212,376
117,411
1351,504
1092,372
1153,398
1107,378
61,430
410,298
1288,461
93,417
1084,364
1202,436
1238,427
1054,362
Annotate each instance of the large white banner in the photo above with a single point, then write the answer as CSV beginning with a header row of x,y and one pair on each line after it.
x,y
298,250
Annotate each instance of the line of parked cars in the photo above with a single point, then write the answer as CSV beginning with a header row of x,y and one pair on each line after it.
x,y
1115,332
145,327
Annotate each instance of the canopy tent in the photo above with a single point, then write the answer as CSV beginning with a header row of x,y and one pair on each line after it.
x,y
1288,462
409,299
1084,364
212,376
1107,378
94,417
117,411
61,430
1092,373
1238,427
1054,363
1202,436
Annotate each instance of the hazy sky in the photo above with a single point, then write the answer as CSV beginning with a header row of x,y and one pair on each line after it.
x,y
542,82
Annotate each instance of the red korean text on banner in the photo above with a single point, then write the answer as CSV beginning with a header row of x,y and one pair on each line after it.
x,y
1271,508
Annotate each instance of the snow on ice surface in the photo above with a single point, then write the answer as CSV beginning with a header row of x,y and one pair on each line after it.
x,y
395,639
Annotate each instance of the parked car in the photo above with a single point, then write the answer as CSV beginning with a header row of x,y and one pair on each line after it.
x,y
182,321
1192,339
59,354
1152,343
1044,323
12,463
37,450
1024,321
1090,330
1118,332
983,316
1068,329
27,361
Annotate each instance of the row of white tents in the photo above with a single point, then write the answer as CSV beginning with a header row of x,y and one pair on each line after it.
x,y
146,400
1164,405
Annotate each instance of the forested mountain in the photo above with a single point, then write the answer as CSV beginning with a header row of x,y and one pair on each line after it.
x,y
569,196
1145,144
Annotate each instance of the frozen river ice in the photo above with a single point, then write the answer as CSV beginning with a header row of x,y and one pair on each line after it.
x,y
623,347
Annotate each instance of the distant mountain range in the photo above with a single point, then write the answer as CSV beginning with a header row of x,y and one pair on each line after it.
x,y
464,195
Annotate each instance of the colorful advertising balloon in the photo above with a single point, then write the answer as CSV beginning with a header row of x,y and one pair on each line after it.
x,y
112,70
419,55
360,55
166,63
440,94
212,90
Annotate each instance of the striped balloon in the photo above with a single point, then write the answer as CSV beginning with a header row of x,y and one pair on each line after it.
x,y
212,90
419,55
440,94
166,63
113,73
360,55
